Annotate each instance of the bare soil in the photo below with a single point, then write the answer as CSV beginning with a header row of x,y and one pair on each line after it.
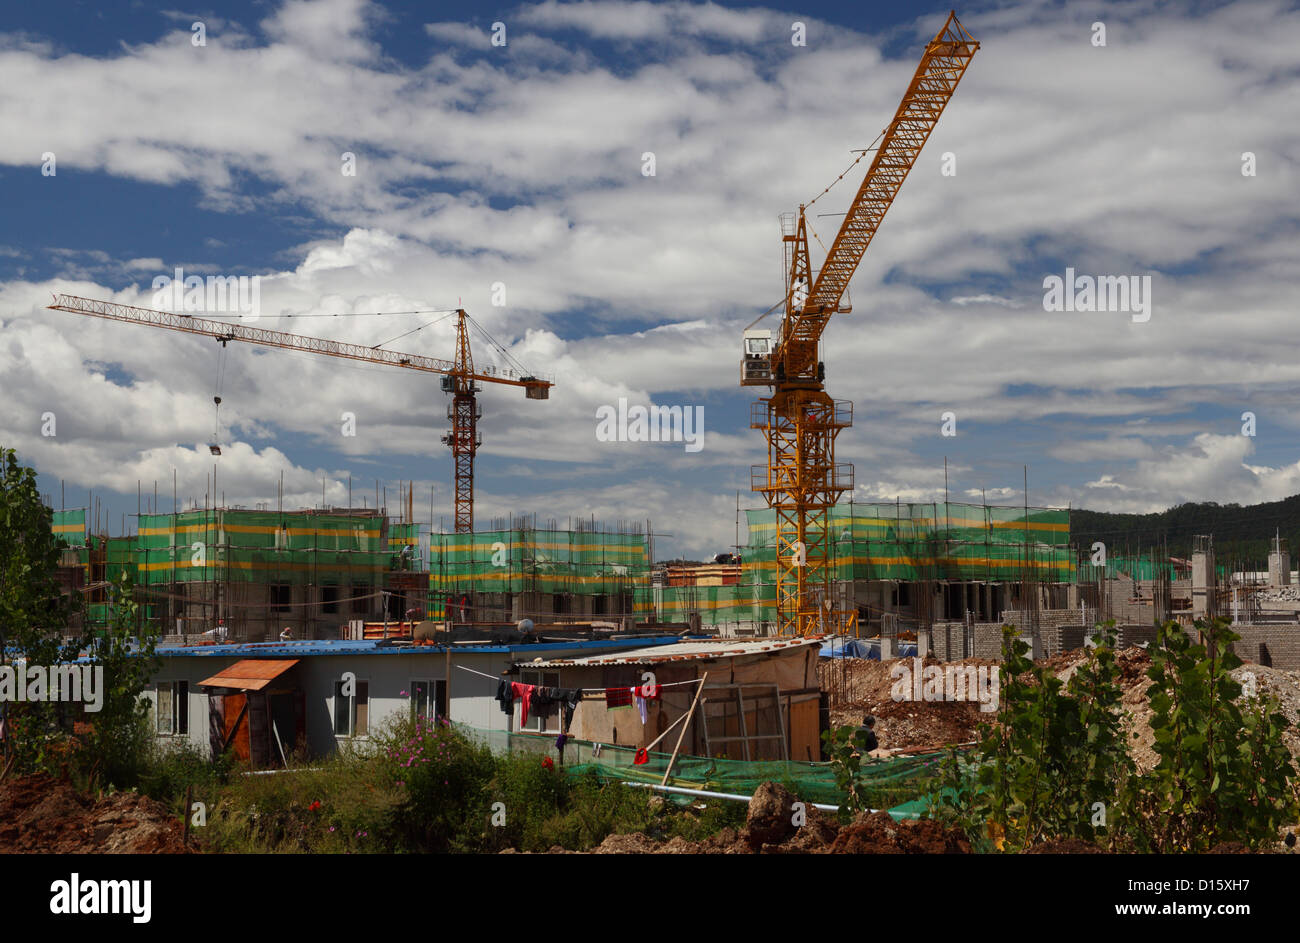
x,y
859,687
40,815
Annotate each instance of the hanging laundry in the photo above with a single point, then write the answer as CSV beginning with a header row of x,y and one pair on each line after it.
x,y
640,707
649,691
525,694
570,700
618,697
545,702
642,757
505,696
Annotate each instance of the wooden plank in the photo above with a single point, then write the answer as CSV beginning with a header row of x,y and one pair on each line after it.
x,y
230,734
682,735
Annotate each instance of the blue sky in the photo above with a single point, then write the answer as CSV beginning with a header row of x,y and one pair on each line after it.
x,y
522,165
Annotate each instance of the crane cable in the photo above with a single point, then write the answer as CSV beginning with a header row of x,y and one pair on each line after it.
x,y
222,360
523,371
810,225
847,169
446,315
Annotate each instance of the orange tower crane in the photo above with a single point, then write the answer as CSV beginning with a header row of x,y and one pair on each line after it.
x,y
801,480
459,378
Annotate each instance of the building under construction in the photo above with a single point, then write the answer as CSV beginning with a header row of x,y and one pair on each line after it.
x,y
520,569
953,572
250,574
912,562
895,563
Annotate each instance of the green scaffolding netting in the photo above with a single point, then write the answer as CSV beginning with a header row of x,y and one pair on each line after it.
x,y
1141,566
899,784
892,541
71,526
256,547
543,561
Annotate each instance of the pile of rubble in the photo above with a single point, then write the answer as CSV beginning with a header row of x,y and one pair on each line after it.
x,y
40,815
858,687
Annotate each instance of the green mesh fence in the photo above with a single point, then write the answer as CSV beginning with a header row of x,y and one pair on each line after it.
x,y
401,536
1139,567
899,784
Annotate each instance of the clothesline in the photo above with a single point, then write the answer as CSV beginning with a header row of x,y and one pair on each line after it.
x,y
666,684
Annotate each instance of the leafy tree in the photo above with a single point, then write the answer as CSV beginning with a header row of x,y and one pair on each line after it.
x,y
1224,773
116,750
34,612
1050,765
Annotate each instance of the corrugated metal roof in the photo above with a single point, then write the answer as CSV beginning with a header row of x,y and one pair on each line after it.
x,y
694,650
301,649
250,674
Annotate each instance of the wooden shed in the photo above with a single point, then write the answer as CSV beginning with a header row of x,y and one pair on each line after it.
x,y
256,710
760,700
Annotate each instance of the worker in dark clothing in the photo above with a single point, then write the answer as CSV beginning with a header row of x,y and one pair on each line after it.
x,y
865,736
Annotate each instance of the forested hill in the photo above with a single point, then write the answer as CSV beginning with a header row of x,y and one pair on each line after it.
x,y
1243,532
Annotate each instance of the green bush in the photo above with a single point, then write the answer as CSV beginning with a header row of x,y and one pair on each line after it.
x,y
428,788
1055,764
443,779
343,804
1224,773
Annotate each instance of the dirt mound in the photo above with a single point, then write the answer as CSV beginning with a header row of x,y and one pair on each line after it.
x,y
858,687
770,829
771,817
878,834
39,814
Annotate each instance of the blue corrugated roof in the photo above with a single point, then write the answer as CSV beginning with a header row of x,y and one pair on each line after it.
x,y
379,647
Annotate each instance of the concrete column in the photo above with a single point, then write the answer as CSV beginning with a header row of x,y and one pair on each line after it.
x,y
1203,583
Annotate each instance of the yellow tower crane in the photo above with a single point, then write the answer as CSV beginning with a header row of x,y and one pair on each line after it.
x,y
459,378
801,480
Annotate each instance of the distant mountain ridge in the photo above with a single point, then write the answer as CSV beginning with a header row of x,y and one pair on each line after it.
x,y
1241,532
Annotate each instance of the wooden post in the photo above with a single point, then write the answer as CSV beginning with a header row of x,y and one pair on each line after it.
x,y
189,805
447,685
682,736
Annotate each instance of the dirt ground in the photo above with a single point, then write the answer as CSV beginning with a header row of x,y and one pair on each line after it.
x,y
40,815
859,687
769,829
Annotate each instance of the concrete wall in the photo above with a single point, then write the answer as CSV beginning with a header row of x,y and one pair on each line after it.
x,y
948,641
1274,645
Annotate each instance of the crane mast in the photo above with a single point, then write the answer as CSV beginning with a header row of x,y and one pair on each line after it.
x,y
801,480
459,378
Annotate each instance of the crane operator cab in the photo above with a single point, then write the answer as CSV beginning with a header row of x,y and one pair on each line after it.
x,y
756,365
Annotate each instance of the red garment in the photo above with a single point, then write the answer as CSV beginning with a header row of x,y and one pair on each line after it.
x,y
648,691
525,694
641,758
